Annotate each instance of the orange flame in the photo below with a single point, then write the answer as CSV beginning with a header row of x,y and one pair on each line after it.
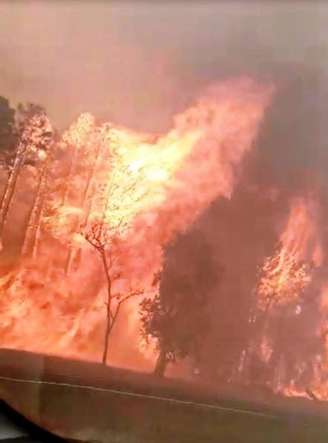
x,y
287,273
145,190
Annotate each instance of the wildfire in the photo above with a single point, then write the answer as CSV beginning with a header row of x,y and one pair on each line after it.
x,y
143,190
287,273
320,381
284,279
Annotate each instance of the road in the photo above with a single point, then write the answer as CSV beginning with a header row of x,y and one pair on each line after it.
x,y
90,402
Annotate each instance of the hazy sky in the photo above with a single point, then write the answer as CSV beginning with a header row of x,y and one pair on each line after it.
x,y
139,62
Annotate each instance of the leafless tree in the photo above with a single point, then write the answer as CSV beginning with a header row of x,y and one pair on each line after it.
x,y
99,237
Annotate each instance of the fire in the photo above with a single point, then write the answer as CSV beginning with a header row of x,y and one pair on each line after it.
x,y
281,292
144,190
287,273
320,384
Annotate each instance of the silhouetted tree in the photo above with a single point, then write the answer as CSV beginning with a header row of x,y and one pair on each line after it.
x,y
100,238
177,319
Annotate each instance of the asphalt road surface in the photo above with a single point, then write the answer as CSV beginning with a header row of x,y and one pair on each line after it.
x,y
84,401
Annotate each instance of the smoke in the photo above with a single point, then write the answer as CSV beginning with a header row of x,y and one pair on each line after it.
x,y
139,62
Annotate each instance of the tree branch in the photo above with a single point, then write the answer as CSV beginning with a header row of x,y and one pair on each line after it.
x,y
121,302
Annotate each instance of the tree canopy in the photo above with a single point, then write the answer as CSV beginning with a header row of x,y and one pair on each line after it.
x,y
7,130
178,317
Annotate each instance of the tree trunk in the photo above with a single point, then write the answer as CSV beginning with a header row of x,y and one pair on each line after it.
x,y
72,167
109,320
161,364
65,195
107,334
33,226
73,252
11,185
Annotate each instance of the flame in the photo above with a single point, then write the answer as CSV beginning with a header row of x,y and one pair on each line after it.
x,y
285,276
145,190
287,273
320,381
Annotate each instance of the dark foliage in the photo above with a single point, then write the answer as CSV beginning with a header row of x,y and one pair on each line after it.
x,y
8,135
178,317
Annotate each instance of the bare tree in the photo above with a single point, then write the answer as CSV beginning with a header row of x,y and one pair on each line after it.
x,y
99,237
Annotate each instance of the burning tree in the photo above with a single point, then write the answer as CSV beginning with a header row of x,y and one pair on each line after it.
x,y
81,141
281,294
34,134
130,194
102,240
43,160
91,156
280,290
122,189
283,280
7,131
